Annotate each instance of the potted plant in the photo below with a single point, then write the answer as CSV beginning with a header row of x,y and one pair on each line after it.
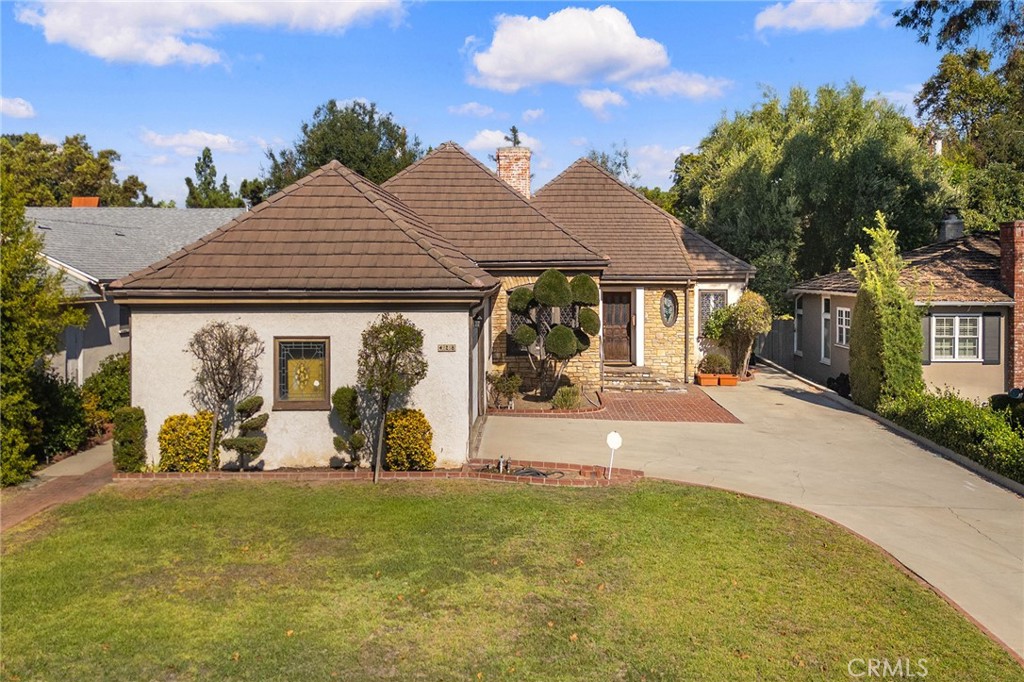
x,y
711,368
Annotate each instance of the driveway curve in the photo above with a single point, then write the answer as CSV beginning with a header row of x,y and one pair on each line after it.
x,y
962,534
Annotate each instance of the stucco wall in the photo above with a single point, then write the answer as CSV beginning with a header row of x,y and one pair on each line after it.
x,y
82,350
810,364
971,379
162,372
586,367
665,348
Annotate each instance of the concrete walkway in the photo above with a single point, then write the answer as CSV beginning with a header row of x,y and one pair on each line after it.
x,y
66,481
962,534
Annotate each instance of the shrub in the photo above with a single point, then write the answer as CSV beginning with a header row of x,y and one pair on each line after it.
x,y
129,439
184,441
505,385
582,341
96,418
59,410
250,441
409,438
346,405
552,289
714,363
737,326
520,299
111,383
584,290
561,342
963,426
525,335
590,321
567,398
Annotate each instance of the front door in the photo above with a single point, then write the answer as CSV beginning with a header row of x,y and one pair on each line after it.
x,y
618,315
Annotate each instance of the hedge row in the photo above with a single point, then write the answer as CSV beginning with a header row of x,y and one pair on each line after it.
x,y
973,430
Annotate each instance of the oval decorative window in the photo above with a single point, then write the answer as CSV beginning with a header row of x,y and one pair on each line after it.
x,y
669,308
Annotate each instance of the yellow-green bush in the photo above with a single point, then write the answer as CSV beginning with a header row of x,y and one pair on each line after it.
x,y
184,442
409,438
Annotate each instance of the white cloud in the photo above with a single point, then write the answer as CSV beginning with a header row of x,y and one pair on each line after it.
x,y
159,160
489,140
808,15
655,163
903,97
680,84
192,142
573,46
161,33
532,115
471,109
598,100
16,107
578,141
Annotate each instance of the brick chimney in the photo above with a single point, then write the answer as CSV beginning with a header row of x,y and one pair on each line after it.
x,y
1011,271
514,168
85,202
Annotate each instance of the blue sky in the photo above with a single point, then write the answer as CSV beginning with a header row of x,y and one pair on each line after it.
x,y
158,81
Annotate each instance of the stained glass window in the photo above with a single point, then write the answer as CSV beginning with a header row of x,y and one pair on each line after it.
x,y
710,301
302,370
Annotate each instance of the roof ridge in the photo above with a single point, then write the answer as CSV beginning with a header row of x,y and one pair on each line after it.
x,y
421,240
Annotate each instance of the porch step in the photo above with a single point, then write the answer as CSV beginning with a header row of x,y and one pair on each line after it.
x,y
639,380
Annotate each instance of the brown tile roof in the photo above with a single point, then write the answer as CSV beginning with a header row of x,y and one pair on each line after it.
x,y
959,270
642,240
332,233
482,215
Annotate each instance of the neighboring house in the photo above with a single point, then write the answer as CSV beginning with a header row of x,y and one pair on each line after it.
x,y
92,247
444,242
971,290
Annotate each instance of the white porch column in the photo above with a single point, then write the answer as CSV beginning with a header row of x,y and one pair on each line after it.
x,y
638,333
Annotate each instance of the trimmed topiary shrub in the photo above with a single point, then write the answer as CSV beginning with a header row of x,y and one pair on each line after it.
x,y
111,383
582,341
520,300
409,441
346,405
567,398
972,430
714,363
184,440
250,441
585,291
561,342
590,321
525,335
129,439
552,289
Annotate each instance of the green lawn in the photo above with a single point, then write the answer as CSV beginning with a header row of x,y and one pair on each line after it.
x,y
460,580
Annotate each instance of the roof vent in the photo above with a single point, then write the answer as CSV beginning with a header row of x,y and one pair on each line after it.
x,y
85,202
951,226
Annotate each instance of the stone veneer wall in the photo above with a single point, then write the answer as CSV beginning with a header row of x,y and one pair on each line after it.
x,y
665,348
585,368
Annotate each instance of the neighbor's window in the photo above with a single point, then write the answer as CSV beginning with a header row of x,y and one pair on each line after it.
x,y
798,326
956,337
826,331
302,373
843,326
709,302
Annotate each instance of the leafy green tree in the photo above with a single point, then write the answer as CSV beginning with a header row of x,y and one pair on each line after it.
x,y
616,162
737,326
954,23
391,363
885,334
204,192
33,313
786,185
47,174
550,344
358,135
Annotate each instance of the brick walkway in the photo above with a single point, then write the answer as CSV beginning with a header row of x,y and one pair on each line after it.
x,y
18,505
692,406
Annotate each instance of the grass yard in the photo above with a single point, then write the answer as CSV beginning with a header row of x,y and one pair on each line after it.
x,y
460,581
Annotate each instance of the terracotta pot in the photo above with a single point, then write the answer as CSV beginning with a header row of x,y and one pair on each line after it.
x,y
707,379
727,379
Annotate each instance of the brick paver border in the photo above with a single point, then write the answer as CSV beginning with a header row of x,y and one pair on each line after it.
x,y
693,406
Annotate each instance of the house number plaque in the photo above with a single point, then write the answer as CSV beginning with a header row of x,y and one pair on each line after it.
x,y
446,348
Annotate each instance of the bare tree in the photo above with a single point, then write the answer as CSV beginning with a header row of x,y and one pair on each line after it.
x,y
228,371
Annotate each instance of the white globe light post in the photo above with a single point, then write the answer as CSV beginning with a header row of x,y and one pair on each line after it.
x,y
614,441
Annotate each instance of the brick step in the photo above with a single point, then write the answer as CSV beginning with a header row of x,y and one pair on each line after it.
x,y
646,382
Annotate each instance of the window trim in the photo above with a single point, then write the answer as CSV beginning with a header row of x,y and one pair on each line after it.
x,y
700,294
825,328
847,326
301,405
798,325
956,338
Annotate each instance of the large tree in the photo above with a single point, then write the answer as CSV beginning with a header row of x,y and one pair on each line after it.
x,y
47,174
204,192
787,184
954,23
33,313
358,135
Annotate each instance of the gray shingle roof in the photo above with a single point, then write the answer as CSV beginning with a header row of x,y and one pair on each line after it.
x,y
108,243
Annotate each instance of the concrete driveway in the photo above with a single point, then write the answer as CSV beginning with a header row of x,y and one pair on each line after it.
x,y
962,534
